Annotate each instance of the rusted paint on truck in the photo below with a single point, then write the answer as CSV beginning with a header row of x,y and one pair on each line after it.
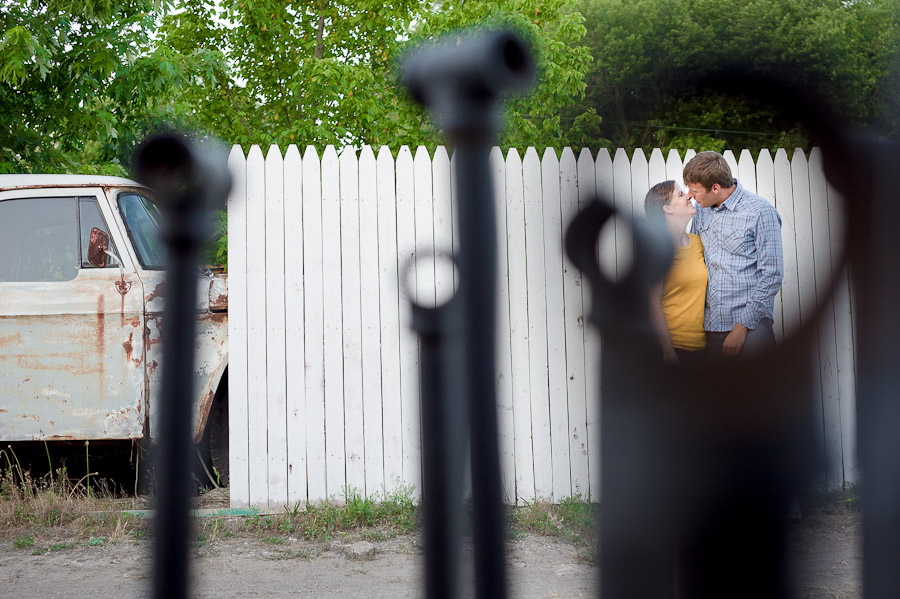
x,y
80,346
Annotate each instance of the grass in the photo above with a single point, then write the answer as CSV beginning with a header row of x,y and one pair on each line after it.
x,y
54,513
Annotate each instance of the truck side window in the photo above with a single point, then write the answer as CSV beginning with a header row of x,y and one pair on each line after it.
x,y
142,222
90,217
38,239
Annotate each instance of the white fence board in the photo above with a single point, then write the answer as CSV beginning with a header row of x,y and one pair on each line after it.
x,y
585,476
276,365
390,320
319,286
351,323
238,439
554,265
409,351
831,408
333,343
518,328
575,349
295,387
505,424
784,203
256,328
537,326
370,325
314,325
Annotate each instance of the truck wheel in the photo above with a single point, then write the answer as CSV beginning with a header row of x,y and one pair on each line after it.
x,y
218,440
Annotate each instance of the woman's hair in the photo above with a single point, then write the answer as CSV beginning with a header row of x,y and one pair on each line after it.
x,y
707,168
658,196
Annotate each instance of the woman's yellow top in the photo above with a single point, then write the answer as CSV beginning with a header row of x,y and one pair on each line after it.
x,y
684,296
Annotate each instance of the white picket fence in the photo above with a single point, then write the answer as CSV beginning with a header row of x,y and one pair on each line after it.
x,y
323,379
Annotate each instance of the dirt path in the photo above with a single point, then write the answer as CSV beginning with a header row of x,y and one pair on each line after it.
x,y
825,551
236,567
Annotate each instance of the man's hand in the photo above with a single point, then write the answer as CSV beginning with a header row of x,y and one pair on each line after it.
x,y
734,342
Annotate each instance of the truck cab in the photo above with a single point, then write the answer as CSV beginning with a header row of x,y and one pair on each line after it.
x,y
82,290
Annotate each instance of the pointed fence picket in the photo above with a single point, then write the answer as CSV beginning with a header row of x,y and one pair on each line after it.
x,y
323,380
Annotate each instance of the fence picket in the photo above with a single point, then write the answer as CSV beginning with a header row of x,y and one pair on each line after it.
x,y
846,359
314,329
238,425
294,331
784,203
585,476
409,350
314,326
575,349
537,326
443,221
674,167
622,194
370,326
605,187
640,181
505,422
518,327
746,172
656,170
335,459
831,409
732,162
389,317
276,377
256,327
351,322
554,262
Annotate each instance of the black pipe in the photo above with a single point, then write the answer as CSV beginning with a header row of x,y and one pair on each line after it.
x,y
460,79
189,183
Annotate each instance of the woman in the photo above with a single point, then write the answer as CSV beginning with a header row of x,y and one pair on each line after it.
x,y
677,303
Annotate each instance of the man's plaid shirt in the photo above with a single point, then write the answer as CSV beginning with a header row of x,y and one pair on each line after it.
x,y
742,246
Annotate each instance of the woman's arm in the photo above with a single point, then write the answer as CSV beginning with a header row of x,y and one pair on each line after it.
x,y
659,323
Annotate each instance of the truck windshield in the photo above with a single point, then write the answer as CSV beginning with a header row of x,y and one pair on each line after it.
x,y
142,221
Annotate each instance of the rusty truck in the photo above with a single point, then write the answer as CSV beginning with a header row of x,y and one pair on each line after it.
x,y
82,288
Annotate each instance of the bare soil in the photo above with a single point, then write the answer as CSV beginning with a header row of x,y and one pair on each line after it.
x,y
826,554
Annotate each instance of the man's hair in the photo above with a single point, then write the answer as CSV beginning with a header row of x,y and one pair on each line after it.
x,y
707,168
658,196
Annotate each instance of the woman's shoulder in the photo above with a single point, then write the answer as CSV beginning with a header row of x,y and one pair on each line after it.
x,y
695,241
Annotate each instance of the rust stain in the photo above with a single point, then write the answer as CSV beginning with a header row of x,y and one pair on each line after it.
x,y
129,347
11,340
158,291
152,366
61,438
203,411
34,417
2,411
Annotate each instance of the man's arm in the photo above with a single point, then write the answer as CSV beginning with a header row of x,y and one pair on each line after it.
x,y
770,265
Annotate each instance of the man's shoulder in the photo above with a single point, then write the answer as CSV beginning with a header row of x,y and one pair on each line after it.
x,y
756,203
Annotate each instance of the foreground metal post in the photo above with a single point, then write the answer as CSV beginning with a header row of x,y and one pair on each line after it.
x,y
461,80
876,271
189,183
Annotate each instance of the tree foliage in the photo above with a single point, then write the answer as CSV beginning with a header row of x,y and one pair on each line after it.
x,y
324,71
644,51
59,61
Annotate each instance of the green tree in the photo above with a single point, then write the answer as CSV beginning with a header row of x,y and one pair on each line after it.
x,y
59,61
324,71
644,51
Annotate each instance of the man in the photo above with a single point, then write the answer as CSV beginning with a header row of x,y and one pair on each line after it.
x,y
741,234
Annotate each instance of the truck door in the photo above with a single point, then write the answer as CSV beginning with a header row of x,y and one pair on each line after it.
x,y
71,334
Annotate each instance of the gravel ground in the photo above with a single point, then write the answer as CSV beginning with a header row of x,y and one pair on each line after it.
x,y
826,554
